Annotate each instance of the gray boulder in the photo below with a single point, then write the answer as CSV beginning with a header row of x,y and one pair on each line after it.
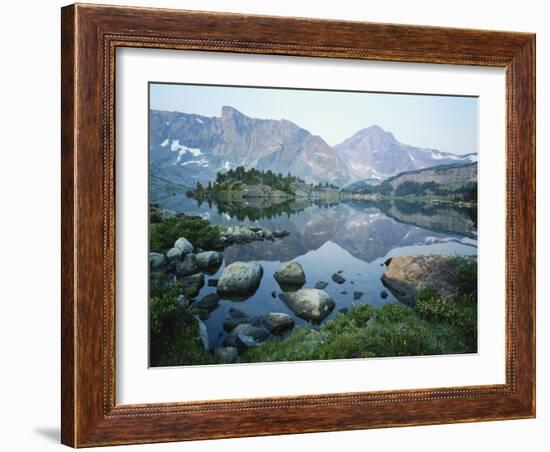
x,y
280,234
290,273
240,279
184,245
236,313
406,275
226,355
174,254
309,304
208,304
244,342
209,259
278,322
230,324
157,260
245,329
188,266
240,234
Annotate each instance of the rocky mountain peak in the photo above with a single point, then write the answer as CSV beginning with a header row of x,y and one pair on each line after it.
x,y
230,112
375,133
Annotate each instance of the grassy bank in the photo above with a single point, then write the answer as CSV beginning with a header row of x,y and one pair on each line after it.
x,y
434,326
174,330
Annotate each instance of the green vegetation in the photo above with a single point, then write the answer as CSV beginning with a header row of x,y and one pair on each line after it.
x,y
173,330
163,233
243,212
434,326
411,188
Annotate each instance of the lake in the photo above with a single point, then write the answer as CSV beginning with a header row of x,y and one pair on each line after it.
x,y
352,237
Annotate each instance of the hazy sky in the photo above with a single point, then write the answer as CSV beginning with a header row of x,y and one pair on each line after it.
x,y
442,122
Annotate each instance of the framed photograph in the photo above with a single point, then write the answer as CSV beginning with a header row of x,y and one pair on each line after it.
x,y
281,225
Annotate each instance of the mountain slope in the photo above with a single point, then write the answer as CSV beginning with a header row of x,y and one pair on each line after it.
x,y
446,177
187,148
375,153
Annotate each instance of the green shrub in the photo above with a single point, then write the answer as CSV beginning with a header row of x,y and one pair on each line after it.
x,y
199,232
173,330
466,276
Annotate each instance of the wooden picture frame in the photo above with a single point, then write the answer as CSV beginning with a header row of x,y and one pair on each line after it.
x,y
90,36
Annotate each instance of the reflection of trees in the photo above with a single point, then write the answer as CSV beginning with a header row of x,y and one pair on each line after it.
x,y
442,217
248,211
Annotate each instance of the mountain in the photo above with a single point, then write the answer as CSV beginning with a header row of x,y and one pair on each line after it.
x,y
204,146
375,153
189,148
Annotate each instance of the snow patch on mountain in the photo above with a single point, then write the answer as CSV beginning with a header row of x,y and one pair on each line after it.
x,y
202,162
181,149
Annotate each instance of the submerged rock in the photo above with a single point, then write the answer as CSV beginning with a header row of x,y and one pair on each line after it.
x,y
280,234
310,304
240,279
226,355
157,260
209,304
339,279
236,313
230,324
357,295
290,273
278,322
321,285
192,284
212,282
184,245
384,294
245,329
244,342
209,259
406,275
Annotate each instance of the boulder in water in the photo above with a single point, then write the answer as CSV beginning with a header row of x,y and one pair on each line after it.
x,y
310,304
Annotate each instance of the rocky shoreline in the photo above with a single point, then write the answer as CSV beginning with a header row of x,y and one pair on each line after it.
x,y
189,266
238,281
